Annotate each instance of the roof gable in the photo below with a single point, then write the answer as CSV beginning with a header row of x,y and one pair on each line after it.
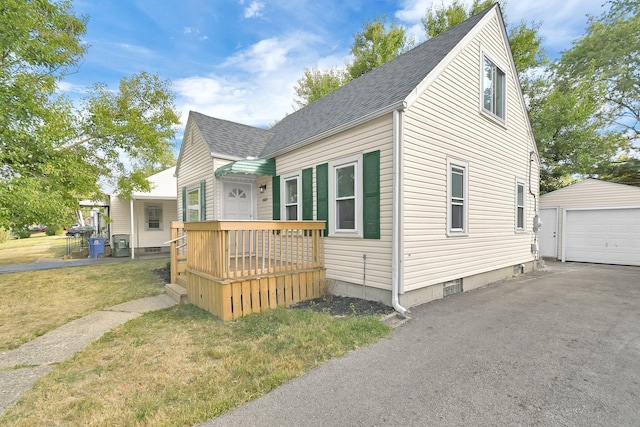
x,y
380,90
592,184
377,92
231,138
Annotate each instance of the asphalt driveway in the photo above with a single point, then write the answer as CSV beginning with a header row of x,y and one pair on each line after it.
x,y
557,347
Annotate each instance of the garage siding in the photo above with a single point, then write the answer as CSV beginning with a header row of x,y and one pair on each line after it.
x,y
601,196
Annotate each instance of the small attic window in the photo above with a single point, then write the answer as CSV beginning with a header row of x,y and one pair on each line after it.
x,y
493,88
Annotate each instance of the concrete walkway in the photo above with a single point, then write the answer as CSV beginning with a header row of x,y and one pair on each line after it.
x,y
48,264
22,367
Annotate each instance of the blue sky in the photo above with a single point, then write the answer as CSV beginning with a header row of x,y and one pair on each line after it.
x,y
240,59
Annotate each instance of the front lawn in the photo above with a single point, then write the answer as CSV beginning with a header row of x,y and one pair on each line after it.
x,y
38,246
181,367
36,302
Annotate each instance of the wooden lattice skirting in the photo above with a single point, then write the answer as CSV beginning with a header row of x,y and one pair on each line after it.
x,y
233,298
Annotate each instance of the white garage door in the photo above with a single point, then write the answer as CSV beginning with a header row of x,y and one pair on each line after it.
x,y
607,236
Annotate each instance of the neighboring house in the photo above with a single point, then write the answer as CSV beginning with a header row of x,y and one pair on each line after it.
x,y
592,221
146,218
424,168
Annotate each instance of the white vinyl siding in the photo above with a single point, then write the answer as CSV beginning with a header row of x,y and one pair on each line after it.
x,y
442,124
590,193
142,238
344,255
196,164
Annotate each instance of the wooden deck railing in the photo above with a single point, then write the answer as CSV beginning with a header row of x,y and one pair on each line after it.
x,y
178,250
233,249
234,268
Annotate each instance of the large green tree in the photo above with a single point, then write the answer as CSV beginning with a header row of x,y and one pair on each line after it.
x,y
524,39
572,137
609,54
589,111
315,84
53,152
377,43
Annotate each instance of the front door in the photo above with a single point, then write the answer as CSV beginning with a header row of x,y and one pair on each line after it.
x,y
238,201
548,233
238,204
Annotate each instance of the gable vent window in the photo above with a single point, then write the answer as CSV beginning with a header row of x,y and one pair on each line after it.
x,y
493,89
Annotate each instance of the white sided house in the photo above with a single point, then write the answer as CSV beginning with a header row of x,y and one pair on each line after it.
x,y
592,221
424,169
145,219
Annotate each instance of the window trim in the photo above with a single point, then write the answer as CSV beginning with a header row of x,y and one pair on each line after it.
x,y
485,55
464,231
189,208
355,160
520,229
160,208
297,175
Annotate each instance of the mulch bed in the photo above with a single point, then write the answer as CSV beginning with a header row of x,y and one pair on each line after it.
x,y
333,305
345,306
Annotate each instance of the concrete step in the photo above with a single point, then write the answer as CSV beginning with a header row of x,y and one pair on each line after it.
x,y
176,292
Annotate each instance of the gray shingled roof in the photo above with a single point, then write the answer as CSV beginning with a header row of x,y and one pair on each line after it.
x,y
231,138
374,91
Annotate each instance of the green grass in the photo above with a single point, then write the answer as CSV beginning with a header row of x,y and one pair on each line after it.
x,y
180,367
36,302
38,246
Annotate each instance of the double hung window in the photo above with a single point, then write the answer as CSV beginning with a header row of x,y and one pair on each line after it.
x,y
493,88
193,205
153,217
291,198
458,197
520,214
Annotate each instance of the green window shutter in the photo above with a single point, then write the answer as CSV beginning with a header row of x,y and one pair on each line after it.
x,y
275,195
322,195
184,204
203,200
371,189
307,194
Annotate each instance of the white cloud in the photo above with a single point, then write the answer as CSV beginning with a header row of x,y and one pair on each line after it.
x,y
254,86
68,88
254,10
413,10
266,55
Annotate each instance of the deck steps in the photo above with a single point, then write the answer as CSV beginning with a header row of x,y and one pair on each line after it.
x,y
176,292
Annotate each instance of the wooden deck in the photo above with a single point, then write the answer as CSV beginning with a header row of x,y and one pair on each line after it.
x,y
234,268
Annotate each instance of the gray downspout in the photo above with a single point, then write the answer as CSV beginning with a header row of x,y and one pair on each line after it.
x,y
396,240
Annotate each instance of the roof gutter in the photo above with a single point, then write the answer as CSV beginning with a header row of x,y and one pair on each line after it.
x,y
396,254
360,120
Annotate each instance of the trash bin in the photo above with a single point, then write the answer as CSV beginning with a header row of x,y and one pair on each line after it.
x,y
96,246
120,245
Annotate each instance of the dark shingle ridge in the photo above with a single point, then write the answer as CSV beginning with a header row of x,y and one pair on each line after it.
x,y
382,87
377,90
231,138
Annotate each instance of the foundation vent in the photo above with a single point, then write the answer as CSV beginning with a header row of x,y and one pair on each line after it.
x,y
152,250
452,287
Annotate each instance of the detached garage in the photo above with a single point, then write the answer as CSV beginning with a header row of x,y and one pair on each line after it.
x,y
592,221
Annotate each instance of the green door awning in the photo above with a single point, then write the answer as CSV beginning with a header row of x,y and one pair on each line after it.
x,y
266,167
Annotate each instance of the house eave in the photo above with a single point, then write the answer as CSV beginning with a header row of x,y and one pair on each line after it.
x,y
400,105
